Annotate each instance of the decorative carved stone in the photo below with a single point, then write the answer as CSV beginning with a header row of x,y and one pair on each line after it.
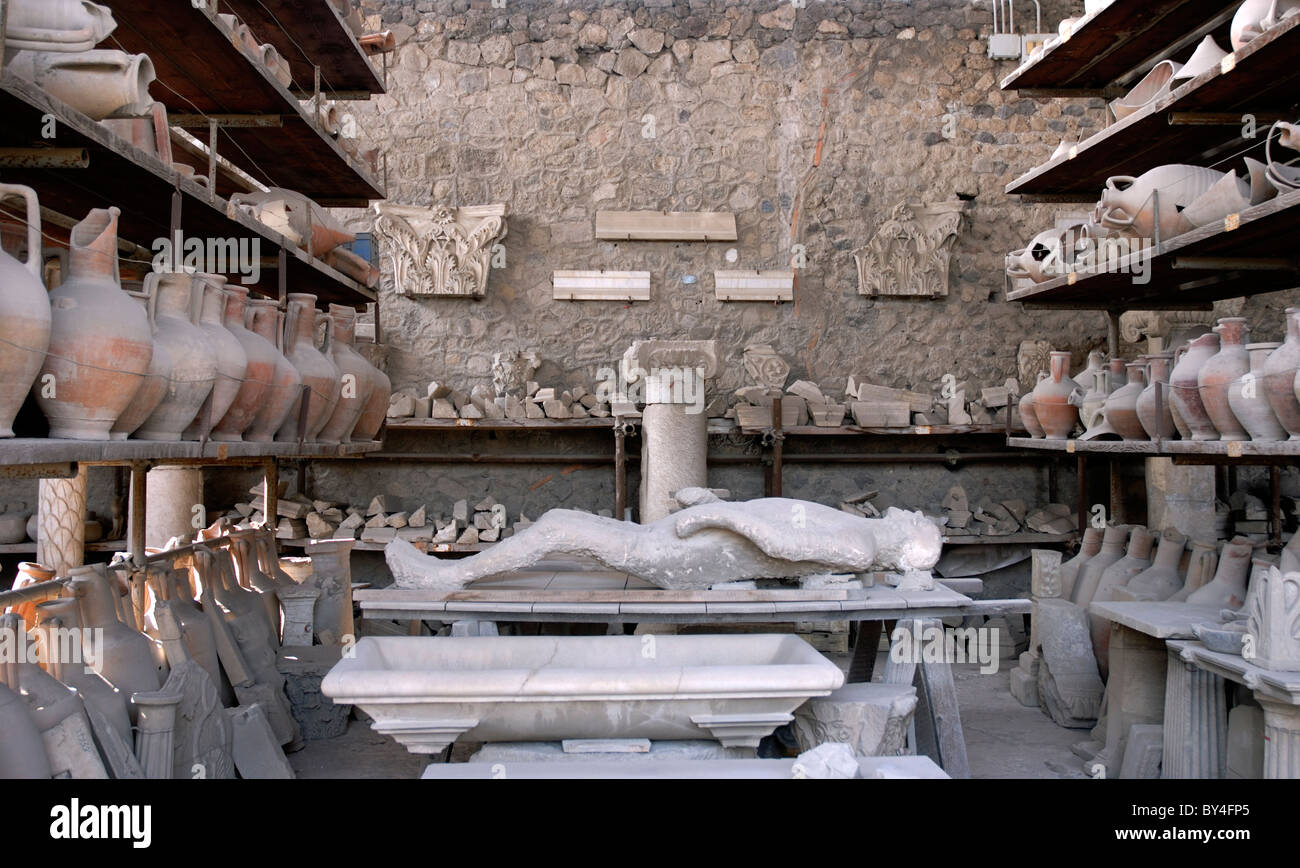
x,y
1031,358
1273,629
1195,722
909,253
61,523
1069,686
512,370
438,251
871,718
765,366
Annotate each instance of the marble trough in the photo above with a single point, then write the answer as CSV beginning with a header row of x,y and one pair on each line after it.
x,y
426,692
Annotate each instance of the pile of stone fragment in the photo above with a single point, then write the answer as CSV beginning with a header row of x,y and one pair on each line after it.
x,y
443,402
1002,518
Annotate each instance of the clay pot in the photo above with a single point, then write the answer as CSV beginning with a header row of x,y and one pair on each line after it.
x,y
1118,375
275,64
381,392
1261,188
1229,195
1153,85
1088,549
1229,364
1113,542
1121,407
1185,393
1029,417
177,299
1278,376
1136,560
1094,399
378,43
153,390
95,690
173,585
13,527
29,573
57,25
22,750
263,319
1183,430
100,341
1053,400
1048,255
1162,579
1201,565
1248,401
1096,362
232,361
1228,588
259,374
1158,368
350,265
1127,204
355,377
1253,17
316,369
97,83
150,134
128,659
25,312
318,231
251,577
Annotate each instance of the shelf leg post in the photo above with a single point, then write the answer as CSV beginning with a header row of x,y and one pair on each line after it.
x,y
212,156
282,279
270,492
620,471
778,437
1112,332
61,521
1275,484
1117,512
177,202
1081,494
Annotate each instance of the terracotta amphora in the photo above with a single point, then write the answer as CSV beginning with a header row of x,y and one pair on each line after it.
x,y
1113,542
381,391
232,361
1248,401
25,312
54,617
355,377
1087,550
1228,588
177,301
1027,415
1184,430
153,390
1128,206
127,658
1278,376
100,340
1162,579
22,750
1121,406
1054,399
1201,566
259,375
57,25
1095,398
315,367
1157,373
97,83
265,320
1228,365
1184,388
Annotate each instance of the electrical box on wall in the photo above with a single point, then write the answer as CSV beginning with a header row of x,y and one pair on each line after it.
x,y
1004,46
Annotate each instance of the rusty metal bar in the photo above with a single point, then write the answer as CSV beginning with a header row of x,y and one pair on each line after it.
x,y
778,438
620,473
197,121
44,158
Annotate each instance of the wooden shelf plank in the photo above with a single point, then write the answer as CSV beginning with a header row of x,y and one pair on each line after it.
x,y
310,33
34,450
1244,449
142,186
1263,80
1266,230
1119,42
200,70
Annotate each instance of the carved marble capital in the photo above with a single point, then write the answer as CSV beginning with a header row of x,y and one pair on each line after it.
x,y
1273,628
512,370
765,366
909,253
671,372
439,250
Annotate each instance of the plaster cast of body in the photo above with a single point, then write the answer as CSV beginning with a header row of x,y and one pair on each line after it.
x,y
707,543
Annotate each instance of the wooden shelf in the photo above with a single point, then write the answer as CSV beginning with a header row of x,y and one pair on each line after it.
x,y
1243,449
428,548
1263,82
909,431
142,186
201,70
1192,269
29,548
310,33
33,450
500,424
1116,45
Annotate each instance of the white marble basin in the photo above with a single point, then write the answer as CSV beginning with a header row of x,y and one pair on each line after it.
x,y
428,691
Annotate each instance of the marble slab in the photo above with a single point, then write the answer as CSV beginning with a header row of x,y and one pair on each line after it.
x,y
1160,620
901,767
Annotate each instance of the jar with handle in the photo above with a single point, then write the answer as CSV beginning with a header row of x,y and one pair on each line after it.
x,y
1227,366
232,361
355,377
265,320
1184,389
381,392
100,341
153,390
259,374
318,373
25,312
1054,399
1249,402
1162,427
176,299
1121,406
1278,376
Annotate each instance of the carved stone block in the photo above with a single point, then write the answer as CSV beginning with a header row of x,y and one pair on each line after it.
x,y
909,253
1273,629
871,718
440,250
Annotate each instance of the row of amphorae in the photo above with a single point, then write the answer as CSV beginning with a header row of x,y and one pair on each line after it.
x,y
1217,386
188,353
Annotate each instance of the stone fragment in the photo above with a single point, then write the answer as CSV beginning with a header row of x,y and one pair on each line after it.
x,y
438,390
514,408
830,761
257,751
533,410
995,396
397,519
469,411
423,406
827,415
446,534
957,414
1069,685
317,715
352,522
418,518
482,520
880,414
378,534
378,504
543,395
872,718
555,409
807,390
781,18
460,513
401,406
648,40
631,63
490,534
469,537
379,520
486,504
318,527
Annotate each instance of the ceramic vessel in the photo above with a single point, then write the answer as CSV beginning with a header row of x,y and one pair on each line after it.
x,y
13,527
317,371
153,389
1185,392
1153,85
251,577
1048,255
355,377
1207,56
1113,541
428,691
25,312
381,392
1229,195
1184,430
1162,579
1029,417
29,573
1095,398
1096,362
1228,365
259,374
98,83
22,750
55,615
57,25
177,299
1249,402
1136,560
1253,17
1127,204
100,340
1121,406
1053,400
1201,565
1278,377
1118,375
125,657
1088,549
1228,588
318,231
1162,427
232,361
266,321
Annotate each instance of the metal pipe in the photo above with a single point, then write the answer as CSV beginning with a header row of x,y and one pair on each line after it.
x,y
787,458
620,473
44,158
